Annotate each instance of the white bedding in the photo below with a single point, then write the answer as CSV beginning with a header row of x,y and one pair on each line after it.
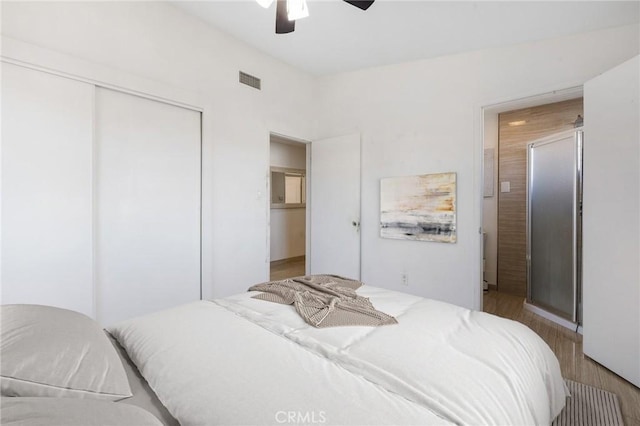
x,y
245,361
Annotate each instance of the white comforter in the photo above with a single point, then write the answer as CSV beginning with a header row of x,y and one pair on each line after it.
x,y
245,361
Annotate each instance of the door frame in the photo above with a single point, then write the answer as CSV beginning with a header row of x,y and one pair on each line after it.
x,y
307,231
487,118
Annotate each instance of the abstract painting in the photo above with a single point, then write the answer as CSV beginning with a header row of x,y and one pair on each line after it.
x,y
419,207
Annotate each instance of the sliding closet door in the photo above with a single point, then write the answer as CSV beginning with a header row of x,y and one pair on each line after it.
x,y
147,205
46,189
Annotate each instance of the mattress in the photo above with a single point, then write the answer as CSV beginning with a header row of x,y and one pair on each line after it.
x,y
240,360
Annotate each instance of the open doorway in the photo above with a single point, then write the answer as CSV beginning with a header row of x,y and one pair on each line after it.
x,y
288,207
508,129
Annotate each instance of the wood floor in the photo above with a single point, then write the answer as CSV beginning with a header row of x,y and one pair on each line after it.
x,y
287,268
567,346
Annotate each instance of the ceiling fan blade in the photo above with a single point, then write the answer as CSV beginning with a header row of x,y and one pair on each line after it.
x,y
283,24
360,4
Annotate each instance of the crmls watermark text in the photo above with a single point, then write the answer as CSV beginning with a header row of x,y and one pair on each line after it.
x,y
301,417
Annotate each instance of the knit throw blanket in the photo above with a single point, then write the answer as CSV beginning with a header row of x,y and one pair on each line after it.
x,y
324,300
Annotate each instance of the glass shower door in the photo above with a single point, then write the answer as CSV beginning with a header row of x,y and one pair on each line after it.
x,y
553,223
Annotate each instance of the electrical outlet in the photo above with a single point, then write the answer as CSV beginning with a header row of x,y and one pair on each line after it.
x,y
404,279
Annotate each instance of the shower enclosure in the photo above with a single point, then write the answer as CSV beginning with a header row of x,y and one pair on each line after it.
x,y
554,224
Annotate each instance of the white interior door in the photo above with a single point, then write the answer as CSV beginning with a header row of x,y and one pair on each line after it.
x,y
46,190
611,229
147,204
335,206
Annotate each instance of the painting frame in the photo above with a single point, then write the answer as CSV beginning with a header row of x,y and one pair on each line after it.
x,y
419,207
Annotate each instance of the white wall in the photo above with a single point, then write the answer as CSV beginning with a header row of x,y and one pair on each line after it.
x,y
288,226
287,233
611,225
287,155
425,117
414,118
155,47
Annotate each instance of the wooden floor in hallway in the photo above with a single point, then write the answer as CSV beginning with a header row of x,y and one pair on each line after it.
x,y
567,346
287,268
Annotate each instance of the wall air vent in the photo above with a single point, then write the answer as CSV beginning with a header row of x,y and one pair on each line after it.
x,y
249,80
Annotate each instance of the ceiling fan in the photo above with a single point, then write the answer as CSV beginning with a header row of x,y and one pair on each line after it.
x,y
287,11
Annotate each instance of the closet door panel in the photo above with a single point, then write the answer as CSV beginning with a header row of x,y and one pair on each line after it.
x,y
147,205
46,189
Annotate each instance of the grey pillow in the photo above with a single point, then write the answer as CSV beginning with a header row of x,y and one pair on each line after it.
x,y
54,352
71,412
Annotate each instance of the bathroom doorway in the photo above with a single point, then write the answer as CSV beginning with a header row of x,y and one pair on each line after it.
x,y
509,128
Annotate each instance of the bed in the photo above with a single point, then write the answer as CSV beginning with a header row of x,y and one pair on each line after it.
x,y
244,361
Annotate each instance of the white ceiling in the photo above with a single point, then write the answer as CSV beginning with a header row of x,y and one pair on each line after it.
x,y
338,37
